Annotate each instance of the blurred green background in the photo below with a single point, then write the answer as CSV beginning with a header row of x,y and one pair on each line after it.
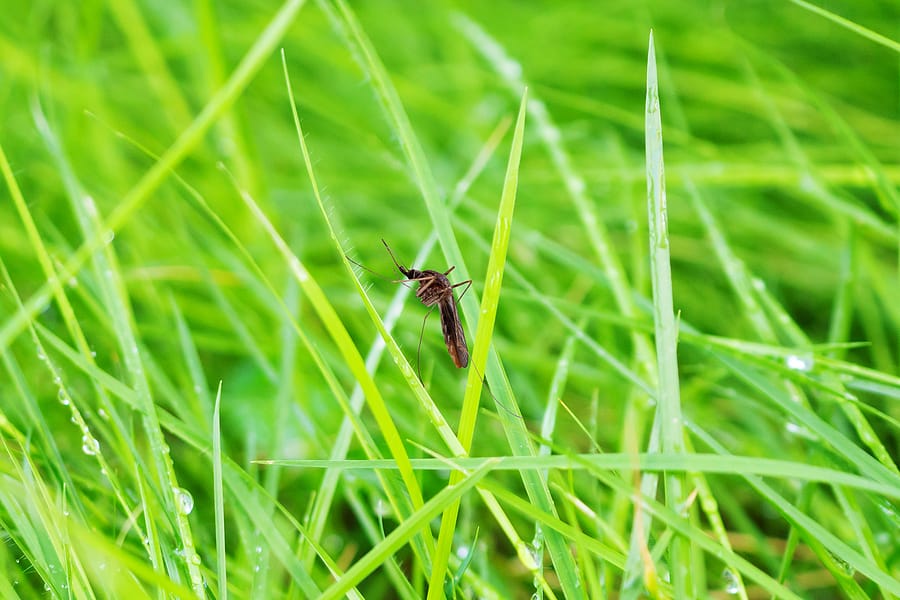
x,y
781,122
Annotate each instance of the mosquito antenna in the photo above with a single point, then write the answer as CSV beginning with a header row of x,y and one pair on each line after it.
x,y
402,269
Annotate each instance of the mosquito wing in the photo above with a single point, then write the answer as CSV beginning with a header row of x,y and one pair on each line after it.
x,y
453,332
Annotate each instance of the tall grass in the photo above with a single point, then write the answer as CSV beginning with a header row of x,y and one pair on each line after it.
x,y
682,324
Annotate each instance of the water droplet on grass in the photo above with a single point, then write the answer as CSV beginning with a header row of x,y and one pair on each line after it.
x,y
803,363
184,502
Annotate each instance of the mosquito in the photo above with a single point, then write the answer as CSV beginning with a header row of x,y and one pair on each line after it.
x,y
436,290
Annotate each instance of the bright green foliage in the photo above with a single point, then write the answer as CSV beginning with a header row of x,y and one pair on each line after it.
x,y
681,224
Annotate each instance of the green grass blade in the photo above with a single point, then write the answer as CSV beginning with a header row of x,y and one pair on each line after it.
x,y
219,499
668,413
483,334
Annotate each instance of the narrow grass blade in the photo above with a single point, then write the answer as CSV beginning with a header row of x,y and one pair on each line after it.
x,y
219,500
668,414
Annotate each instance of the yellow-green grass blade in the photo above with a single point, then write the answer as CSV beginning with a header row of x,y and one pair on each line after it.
x,y
483,333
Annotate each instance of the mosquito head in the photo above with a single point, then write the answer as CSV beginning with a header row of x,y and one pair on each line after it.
x,y
403,269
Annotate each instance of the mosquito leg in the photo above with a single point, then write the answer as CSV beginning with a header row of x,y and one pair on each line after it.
x,y
468,284
448,271
424,286
419,348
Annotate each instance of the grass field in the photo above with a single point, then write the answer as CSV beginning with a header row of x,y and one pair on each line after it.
x,y
680,220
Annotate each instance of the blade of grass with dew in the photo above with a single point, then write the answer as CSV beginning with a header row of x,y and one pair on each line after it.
x,y
403,533
242,488
810,528
669,408
117,305
678,524
794,334
700,463
142,190
219,499
483,333
40,433
90,445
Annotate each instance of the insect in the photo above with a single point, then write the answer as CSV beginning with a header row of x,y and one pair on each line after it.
x,y
436,290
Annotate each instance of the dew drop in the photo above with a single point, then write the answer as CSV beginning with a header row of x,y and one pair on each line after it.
x,y
799,363
383,509
89,444
184,502
63,397
731,582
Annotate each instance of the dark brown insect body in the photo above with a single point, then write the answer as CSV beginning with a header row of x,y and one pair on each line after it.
x,y
436,289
